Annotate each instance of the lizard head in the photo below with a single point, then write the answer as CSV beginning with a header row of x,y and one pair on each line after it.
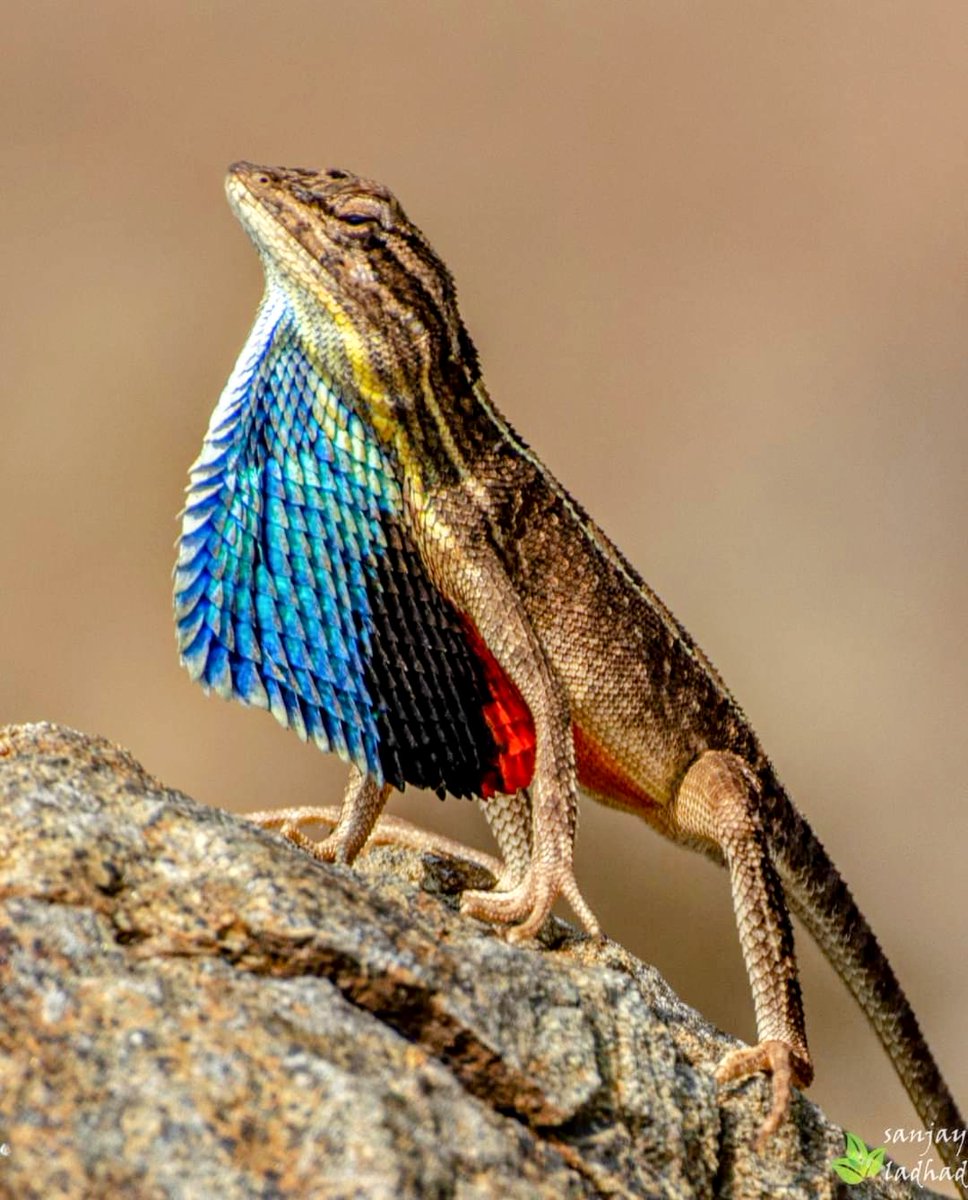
x,y
378,304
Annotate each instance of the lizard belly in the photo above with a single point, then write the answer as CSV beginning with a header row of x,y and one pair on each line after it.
x,y
600,773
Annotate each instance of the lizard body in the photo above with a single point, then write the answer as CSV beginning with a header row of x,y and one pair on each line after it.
x,y
370,551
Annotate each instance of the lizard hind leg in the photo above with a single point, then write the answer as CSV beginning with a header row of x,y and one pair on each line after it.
x,y
717,806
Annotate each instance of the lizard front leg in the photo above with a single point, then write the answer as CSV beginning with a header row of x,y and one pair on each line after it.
x,y
718,803
361,811
509,819
539,857
363,802
463,562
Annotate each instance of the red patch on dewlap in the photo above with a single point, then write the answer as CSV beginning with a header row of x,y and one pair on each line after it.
x,y
509,720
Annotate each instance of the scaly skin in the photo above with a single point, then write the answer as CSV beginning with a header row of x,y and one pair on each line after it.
x,y
579,673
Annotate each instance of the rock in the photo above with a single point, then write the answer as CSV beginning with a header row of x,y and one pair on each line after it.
x,y
192,1007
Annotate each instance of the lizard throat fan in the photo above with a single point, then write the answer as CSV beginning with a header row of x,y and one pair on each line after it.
x,y
298,588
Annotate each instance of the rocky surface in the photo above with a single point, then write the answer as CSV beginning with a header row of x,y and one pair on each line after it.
x,y
191,1007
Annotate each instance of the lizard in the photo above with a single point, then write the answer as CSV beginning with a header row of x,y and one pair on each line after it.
x,y
372,553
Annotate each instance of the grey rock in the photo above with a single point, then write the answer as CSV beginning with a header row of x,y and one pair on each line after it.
x,y
191,1007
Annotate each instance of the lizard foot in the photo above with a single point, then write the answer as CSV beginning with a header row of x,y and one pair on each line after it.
x,y
388,831
289,821
528,904
786,1066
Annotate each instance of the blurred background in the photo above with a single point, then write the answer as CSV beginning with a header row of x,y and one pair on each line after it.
x,y
714,259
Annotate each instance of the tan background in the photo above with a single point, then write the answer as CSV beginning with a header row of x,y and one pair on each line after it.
x,y
714,257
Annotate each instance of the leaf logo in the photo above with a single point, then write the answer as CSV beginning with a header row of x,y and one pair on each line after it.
x,y
859,1162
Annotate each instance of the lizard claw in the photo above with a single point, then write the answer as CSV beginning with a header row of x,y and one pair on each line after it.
x,y
528,904
786,1066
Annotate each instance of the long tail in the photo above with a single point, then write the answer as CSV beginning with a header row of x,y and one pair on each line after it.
x,y
822,900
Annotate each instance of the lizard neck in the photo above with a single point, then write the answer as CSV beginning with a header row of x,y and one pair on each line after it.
x,y
429,409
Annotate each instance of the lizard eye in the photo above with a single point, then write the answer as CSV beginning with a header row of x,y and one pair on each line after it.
x,y
359,210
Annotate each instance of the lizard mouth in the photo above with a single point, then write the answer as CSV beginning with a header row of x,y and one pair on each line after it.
x,y
242,200
266,219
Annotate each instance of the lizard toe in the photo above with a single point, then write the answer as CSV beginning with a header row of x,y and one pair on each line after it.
x,y
527,905
787,1068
